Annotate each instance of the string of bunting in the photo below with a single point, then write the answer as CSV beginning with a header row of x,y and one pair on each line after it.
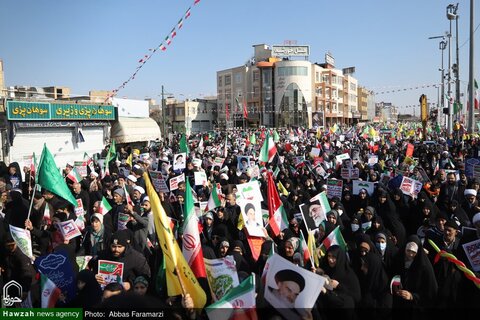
x,y
460,265
161,47
407,89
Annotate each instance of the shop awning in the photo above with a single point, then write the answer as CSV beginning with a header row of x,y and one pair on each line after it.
x,y
128,130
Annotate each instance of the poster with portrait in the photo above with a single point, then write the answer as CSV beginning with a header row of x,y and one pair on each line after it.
x,y
179,161
252,216
159,181
355,155
69,229
315,211
111,271
243,163
291,289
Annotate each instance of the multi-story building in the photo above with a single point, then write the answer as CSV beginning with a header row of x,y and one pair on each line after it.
x,y
192,116
280,87
363,97
386,112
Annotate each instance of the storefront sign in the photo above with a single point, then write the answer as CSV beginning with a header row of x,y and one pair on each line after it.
x,y
24,110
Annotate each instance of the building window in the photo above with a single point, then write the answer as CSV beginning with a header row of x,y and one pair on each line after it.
x,y
256,92
228,80
256,75
179,111
292,71
220,81
325,78
238,78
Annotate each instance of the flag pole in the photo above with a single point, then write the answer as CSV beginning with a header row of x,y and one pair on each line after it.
x,y
31,201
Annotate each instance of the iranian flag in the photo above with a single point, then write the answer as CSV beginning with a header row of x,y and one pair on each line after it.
x,y
74,175
238,303
49,292
304,249
104,206
268,151
46,214
191,245
267,264
334,238
214,200
33,166
127,195
278,218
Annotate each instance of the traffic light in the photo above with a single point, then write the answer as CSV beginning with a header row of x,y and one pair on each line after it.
x,y
445,111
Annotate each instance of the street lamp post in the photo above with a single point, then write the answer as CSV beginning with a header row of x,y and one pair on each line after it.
x,y
452,15
442,45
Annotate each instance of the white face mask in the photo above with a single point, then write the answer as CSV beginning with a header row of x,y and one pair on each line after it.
x,y
381,246
355,227
340,212
366,225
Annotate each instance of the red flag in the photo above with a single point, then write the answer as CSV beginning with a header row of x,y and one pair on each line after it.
x,y
227,113
255,244
410,148
245,111
196,1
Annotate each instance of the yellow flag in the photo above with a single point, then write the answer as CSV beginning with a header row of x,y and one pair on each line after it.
x,y
240,223
172,253
319,133
312,248
129,160
282,189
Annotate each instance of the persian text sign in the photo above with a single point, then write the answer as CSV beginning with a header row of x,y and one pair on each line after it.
x,y
20,110
24,110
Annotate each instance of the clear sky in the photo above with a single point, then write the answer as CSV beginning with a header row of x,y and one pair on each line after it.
x,y
96,44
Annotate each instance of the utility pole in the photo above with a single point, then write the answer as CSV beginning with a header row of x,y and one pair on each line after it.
x,y
471,76
163,113
449,83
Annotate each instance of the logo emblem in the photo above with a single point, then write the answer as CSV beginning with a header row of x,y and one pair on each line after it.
x,y
12,292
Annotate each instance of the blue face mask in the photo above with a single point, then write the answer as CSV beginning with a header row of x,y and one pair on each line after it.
x,y
355,227
381,246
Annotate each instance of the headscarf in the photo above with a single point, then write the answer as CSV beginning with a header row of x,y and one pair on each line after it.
x,y
295,242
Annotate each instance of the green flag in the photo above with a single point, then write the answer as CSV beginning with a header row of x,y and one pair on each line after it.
x,y
184,144
112,153
276,137
50,178
253,139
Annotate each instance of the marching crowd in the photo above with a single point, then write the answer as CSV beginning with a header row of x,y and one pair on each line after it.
x,y
387,232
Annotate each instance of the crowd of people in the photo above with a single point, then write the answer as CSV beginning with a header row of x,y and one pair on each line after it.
x,y
388,232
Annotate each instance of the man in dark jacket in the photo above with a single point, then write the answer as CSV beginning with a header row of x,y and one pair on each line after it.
x,y
120,250
15,265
